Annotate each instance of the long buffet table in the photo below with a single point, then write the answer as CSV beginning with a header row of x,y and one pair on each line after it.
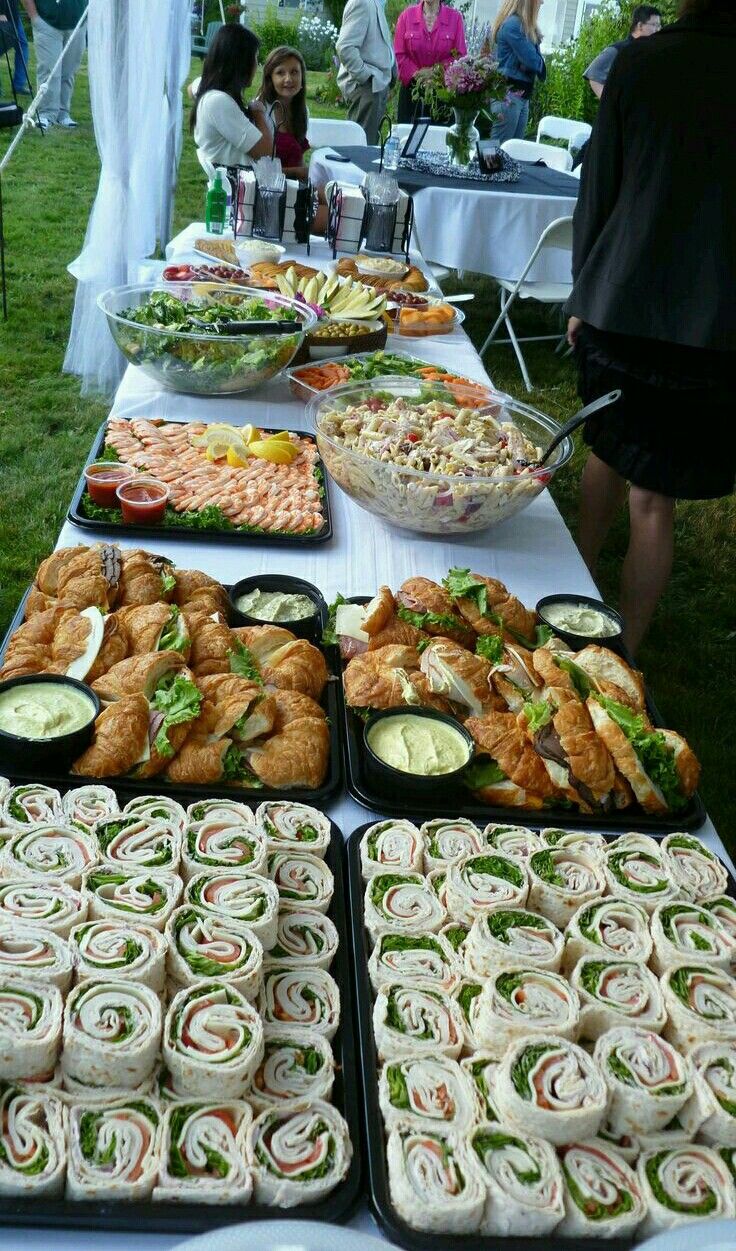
x,y
533,553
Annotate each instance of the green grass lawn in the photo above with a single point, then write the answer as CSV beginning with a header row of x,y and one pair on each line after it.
x,y
46,429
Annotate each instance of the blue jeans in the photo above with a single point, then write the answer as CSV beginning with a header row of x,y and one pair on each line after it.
x,y
510,118
21,81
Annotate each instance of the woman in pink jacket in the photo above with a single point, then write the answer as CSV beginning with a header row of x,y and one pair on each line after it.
x,y
427,34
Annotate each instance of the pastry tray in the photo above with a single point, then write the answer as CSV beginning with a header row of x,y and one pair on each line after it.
x,y
183,1218
378,1185
115,527
457,801
191,791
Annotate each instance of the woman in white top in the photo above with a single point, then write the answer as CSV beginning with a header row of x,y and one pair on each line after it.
x,y
228,131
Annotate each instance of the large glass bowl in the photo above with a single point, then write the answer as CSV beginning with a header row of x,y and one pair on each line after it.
x,y
203,363
429,502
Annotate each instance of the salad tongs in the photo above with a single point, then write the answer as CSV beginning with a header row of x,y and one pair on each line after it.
x,y
247,327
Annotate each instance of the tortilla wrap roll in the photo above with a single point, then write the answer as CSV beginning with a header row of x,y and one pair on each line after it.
x,y
724,908
610,927
212,1041
551,1088
245,897
135,842
304,938
411,958
206,945
427,1092
616,992
701,1006
297,1067
603,1196
711,1110
523,1180
203,1154
303,881
589,841
388,846
31,1013
416,1021
157,808
446,842
517,1003
32,1146
434,1182
481,1069
126,895
561,880
85,805
298,1155
401,903
32,901
119,949
687,932
638,875
511,840
35,951
113,1150
30,804
222,840
53,852
306,997
512,938
485,882
112,1032
233,809
684,1183
289,826
696,870
650,1082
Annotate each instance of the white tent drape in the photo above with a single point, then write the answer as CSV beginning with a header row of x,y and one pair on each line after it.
x,y
177,67
128,58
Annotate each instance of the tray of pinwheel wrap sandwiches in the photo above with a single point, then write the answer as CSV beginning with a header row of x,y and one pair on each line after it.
x,y
187,1060
403,666
542,1064
287,757
235,484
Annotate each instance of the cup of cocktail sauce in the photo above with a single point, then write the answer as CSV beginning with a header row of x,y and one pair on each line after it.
x,y
143,501
103,479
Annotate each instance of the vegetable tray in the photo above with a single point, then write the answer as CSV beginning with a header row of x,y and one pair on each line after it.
x,y
89,516
457,801
182,1218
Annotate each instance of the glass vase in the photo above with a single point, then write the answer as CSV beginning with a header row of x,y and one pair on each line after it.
x,y
462,138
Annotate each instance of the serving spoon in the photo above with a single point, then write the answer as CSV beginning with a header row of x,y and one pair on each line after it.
x,y
577,420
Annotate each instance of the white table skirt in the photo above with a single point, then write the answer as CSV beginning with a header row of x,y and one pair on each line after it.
x,y
533,553
486,232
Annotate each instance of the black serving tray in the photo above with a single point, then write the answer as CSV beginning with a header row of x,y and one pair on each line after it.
x,y
184,1218
78,517
188,793
455,800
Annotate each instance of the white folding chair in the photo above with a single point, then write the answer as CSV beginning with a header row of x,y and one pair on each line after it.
x,y
527,150
206,164
557,235
572,131
435,139
325,132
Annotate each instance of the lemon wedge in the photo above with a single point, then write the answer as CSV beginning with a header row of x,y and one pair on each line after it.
x,y
282,437
236,457
275,450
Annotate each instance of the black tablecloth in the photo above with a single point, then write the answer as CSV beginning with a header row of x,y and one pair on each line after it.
x,y
534,179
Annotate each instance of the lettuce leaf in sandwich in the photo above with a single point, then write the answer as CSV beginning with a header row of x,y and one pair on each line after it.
x,y
483,772
656,756
179,701
174,636
461,584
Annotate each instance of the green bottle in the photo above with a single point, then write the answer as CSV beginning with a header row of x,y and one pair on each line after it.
x,y
215,206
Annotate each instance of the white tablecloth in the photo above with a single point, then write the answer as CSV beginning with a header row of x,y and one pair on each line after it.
x,y
533,553
481,231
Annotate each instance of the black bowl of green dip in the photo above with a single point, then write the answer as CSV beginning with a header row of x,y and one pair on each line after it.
x,y
278,599
416,749
580,620
46,721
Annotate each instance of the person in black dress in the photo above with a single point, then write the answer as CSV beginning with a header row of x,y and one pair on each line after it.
x,y
653,306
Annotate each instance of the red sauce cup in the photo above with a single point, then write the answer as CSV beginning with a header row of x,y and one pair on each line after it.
x,y
143,501
103,480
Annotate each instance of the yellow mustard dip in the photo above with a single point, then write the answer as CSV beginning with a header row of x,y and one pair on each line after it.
x,y
418,745
41,710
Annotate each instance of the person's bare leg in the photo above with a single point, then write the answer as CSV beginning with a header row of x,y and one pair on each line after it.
x,y
602,493
648,564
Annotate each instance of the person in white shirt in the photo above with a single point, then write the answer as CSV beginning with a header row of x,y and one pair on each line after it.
x,y
228,131
367,63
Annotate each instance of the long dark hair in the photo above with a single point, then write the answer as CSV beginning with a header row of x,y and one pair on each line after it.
x,y
297,119
229,65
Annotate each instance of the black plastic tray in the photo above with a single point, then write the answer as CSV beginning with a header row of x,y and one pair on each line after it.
x,y
456,801
331,702
175,1218
77,516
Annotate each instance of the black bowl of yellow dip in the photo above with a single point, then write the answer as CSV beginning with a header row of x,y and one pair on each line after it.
x,y
417,749
278,599
46,721
579,620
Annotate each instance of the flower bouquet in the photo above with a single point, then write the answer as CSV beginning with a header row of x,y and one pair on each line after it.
x,y
467,85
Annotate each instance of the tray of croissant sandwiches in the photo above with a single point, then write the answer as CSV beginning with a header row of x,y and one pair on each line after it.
x,y
181,693
550,731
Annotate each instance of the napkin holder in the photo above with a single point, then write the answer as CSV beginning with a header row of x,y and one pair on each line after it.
x,y
285,216
353,223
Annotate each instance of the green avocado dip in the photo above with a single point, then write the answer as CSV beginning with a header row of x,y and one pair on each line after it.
x,y
418,745
42,710
275,605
